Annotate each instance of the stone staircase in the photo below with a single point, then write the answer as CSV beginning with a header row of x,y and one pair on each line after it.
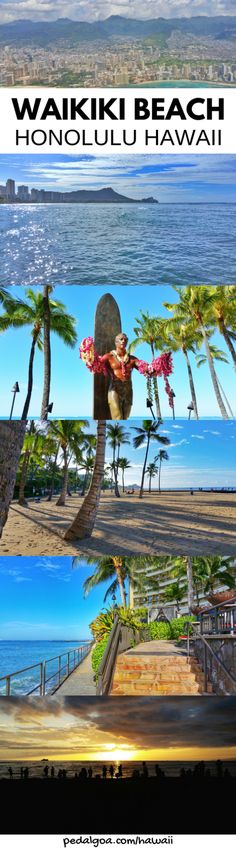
x,y
159,668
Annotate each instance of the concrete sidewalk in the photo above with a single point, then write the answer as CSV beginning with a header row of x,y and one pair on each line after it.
x,y
80,681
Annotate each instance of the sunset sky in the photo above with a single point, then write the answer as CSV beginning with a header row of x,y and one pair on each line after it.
x,y
117,728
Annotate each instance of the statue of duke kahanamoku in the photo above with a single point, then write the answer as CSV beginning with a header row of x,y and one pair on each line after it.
x,y
118,365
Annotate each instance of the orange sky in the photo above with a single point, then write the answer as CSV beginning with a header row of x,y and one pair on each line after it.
x,y
117,729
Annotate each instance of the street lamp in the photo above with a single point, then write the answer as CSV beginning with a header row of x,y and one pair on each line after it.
x,y
15,390
172,393
190,408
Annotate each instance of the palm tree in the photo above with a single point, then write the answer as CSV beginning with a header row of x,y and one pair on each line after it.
x,y
151,470
32,453
161,457
83,524
175,592
117,436
69,436
147,433
47,352
11,441
61,323
123,463
217,571
195,304
223,309
118,569
218,356
184,337
150,331
109,566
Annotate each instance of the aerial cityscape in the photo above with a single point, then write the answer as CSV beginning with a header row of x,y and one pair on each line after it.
x,y
151,52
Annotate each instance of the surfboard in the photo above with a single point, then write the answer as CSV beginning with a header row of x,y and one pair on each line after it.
x,y
107,327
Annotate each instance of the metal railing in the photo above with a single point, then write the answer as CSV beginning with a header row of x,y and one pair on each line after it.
x,y
45,686
219,620
214,668
120,640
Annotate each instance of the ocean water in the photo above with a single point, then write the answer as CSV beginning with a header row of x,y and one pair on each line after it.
x,y
96,244
171,769
16,655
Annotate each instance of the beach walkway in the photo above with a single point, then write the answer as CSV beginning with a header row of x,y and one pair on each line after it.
x,y
158,668
80,681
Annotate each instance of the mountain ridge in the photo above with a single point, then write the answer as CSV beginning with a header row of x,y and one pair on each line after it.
x,y
42,33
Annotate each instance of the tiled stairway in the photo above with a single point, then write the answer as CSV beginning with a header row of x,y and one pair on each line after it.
x,y
158,668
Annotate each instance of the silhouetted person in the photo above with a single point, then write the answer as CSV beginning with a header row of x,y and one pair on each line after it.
x,y
219,769
145,770
10,772
104,772
26,773
52,771
45,771
90,772
119,772
83,773
22,772
111,771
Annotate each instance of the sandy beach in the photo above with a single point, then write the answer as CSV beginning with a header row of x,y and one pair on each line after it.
x,y
169,523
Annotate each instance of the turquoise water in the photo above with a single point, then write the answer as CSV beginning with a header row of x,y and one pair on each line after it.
x,y
16,655
94,244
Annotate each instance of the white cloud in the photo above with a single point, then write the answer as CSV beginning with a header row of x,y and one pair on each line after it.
x,y
198,437
93,10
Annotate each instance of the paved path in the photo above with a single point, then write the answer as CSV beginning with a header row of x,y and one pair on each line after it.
x,y
158,648
80,681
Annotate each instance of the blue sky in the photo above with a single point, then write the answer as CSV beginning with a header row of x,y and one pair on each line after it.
x,y
200,454
170,179
101,9
72,383
42,598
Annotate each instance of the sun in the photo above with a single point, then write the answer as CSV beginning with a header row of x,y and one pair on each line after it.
x,y
114,753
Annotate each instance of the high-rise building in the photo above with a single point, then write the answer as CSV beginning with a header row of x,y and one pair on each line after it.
x,y
10,190
23,192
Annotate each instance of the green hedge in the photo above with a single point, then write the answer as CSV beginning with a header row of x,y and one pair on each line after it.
x,y
177,625
97,654
169,630
159,630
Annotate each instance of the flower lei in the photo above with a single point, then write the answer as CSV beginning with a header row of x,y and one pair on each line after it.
x,y
162,366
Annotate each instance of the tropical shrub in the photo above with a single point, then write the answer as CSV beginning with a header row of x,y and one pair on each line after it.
x,y
159,630
177,625
142,613
103,622
97,654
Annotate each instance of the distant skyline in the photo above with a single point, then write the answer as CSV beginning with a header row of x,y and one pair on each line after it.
x,y
94,10
169,178
72,383
42,598
117,728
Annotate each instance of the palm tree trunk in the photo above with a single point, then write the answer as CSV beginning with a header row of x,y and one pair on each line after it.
x,y
213,375
144,468
190,582
115,460
118,566
83,524
191,383
229,343
155,388
62,498
150,482
123,481
30,379
11,442
22,501
47,354
50,494
159,477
